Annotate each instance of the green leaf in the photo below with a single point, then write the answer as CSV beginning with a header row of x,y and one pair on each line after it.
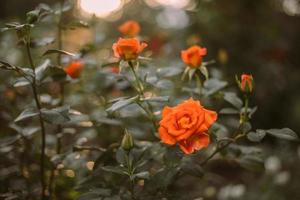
x,y
121,156
40,72
169,71
57,115
6,65
42,42
245,127
21,82
233,99
212,86
57,51
142,175
229,111
256,136
164,84
204,71
27,113
121,103
284,133
191,73
157,99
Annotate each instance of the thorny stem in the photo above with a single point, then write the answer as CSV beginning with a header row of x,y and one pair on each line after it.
x,y
38,105
140,90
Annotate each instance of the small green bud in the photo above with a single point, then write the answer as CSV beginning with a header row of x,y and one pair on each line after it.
x,y
127,141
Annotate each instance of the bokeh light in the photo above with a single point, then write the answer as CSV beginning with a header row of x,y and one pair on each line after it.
x,y
100,8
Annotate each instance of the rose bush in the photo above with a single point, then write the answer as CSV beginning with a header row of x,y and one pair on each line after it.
x,y
121,126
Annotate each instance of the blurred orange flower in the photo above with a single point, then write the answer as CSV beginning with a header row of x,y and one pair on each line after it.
x,y
114,69
130,28
246,83
193,56
74,69
186,124
128,49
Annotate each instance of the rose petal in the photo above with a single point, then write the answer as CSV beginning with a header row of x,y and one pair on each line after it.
x,y
165,137
195,142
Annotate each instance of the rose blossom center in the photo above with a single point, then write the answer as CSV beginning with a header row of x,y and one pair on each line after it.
x,y
184,122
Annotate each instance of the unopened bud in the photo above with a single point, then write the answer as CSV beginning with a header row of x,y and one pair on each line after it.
x,y
246,83
127,141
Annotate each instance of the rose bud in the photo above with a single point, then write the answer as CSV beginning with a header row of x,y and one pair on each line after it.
x,y
186,124
246,84
74,69
193,56
128,49
130,28
127,141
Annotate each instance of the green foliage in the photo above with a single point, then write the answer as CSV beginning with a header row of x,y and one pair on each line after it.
x,y
68,141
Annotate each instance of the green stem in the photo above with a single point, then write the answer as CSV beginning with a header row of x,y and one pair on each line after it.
x,y
140,90
220,148
38,105
130,173
244,115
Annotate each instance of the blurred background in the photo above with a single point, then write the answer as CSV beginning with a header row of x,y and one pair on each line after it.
x,y
258,37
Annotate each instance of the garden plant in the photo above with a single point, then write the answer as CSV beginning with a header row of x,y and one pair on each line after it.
x,y
111,120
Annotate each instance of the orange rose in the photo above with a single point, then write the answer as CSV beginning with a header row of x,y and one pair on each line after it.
x,y
186,124
193,56
128,49
246,83
130,28
74,69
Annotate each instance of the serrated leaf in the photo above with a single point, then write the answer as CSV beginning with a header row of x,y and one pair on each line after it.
x,y
284,133
233,99
58,115
57,51
256,136
121,103
27,113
